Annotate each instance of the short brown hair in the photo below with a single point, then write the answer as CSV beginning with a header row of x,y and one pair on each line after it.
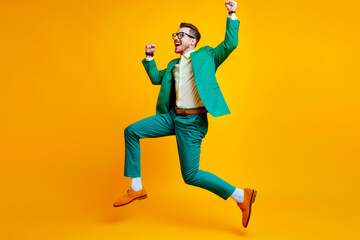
x,y
193,31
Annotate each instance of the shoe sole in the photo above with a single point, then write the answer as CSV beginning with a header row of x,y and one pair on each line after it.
x,y
253,196
138,198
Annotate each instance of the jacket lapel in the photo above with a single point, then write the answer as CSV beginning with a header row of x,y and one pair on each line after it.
x,y
195,57
172,63
169,68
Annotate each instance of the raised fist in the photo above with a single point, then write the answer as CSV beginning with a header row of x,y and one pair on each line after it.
x,y
150,49
230,5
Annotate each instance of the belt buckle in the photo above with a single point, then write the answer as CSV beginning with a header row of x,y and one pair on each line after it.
x,y
183,112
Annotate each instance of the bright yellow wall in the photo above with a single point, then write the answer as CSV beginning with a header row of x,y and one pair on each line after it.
x,y
72,80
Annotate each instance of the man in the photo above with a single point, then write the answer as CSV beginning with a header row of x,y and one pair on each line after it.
x,y
188,91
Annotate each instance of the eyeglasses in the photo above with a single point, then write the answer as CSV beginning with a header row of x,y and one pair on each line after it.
x,y
180,35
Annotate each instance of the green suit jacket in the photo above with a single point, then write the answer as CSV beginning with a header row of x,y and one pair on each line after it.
x,y
205,62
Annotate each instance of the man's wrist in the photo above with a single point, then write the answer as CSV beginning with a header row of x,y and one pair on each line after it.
x,y
232,14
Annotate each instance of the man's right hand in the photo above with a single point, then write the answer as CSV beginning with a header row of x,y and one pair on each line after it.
x,y
150,49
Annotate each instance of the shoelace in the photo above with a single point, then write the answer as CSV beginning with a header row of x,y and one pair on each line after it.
x,y
127,192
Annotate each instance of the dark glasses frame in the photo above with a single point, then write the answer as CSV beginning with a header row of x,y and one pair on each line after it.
x,y
180,35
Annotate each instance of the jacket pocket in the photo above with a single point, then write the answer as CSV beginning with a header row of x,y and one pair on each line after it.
x,y
215,86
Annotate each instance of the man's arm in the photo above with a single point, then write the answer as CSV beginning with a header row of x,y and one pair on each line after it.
x,y
223,50
150,66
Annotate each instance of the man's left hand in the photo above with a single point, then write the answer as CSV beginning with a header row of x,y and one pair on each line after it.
x,y
230,5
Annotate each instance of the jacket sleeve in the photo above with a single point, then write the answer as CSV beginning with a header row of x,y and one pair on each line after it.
x,y
223,50
154,74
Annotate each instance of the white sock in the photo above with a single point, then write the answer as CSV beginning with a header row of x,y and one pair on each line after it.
x,y
238,195
136,183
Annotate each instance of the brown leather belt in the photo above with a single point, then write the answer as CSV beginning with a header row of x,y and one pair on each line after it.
x,y
184,111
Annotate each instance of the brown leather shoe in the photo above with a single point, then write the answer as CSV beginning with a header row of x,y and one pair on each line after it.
x,y
130,196
245,206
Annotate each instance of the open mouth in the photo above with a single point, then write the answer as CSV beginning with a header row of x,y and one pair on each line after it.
x,y
177,44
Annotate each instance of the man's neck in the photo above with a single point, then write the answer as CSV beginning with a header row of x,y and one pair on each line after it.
x,y
188,50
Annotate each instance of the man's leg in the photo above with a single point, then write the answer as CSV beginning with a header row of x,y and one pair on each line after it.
x,y
151,127
190,130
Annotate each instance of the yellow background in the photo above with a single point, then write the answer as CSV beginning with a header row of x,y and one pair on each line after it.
x,y
72,80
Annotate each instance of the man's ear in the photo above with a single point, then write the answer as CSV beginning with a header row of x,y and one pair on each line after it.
x,y
193,41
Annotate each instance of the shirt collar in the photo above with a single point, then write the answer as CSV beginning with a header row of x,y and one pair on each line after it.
x,y
187,55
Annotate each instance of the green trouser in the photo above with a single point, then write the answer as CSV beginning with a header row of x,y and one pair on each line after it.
x,y
189,131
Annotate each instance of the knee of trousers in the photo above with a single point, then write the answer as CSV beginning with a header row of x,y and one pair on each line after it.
x,y
191,179
129,131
